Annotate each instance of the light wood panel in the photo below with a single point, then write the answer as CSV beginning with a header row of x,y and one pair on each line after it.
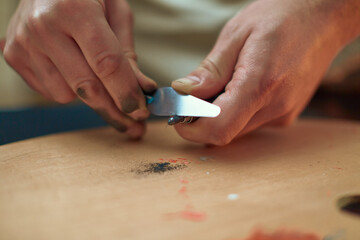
x,y
95,184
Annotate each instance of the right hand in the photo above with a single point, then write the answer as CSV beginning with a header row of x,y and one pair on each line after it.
x,y
69,48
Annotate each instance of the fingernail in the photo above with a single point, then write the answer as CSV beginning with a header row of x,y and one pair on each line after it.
x,y
191,80
185,85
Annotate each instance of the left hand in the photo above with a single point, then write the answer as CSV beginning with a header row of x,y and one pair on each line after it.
x,y
270,59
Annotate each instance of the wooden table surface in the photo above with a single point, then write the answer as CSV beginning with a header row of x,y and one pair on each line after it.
x,y
95,184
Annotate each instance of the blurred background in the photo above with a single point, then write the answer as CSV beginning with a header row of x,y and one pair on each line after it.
x,y
183,35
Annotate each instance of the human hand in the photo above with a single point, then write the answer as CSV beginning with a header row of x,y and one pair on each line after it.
x,y
69,48
269,59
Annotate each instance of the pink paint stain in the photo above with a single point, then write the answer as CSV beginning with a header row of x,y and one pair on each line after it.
x,y
183,191
184,181
189,215
192,215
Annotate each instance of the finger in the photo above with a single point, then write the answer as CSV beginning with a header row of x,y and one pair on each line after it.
x,y
85,83
103,52
211,77
120,19
51,78
16,56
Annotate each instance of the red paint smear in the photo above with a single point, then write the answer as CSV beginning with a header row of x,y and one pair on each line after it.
x,y
171,160
189,215
183,190
338,168
184,181
281,235
193,216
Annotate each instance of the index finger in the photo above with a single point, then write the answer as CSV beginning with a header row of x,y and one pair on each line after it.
x,y
103,52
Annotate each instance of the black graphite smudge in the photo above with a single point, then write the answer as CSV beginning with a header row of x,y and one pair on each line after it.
x,y
350,204
107,118
81,93
158,168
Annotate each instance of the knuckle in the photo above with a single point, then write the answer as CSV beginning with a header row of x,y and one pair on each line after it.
x,y
267,86
22,39
229,29
211,67
38,23
107,64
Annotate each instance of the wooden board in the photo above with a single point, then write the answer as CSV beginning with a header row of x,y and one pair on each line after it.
x,y
95,184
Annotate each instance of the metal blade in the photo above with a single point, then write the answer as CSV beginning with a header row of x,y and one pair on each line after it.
x,y
167,102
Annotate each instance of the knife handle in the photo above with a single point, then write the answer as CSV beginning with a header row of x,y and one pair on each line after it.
x,y
181,119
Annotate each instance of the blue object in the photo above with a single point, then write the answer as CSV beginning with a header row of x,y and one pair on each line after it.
x,y
149,99
21,124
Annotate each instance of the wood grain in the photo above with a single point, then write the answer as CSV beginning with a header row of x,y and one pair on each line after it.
x,y
91,184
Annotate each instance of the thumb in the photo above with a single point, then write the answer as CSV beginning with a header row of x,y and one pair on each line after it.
x,y
211,77
120,19
2,44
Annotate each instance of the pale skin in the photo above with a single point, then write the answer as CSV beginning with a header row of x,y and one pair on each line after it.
x,y
269,58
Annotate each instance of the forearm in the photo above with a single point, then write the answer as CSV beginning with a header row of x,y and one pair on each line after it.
x,y
340,19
